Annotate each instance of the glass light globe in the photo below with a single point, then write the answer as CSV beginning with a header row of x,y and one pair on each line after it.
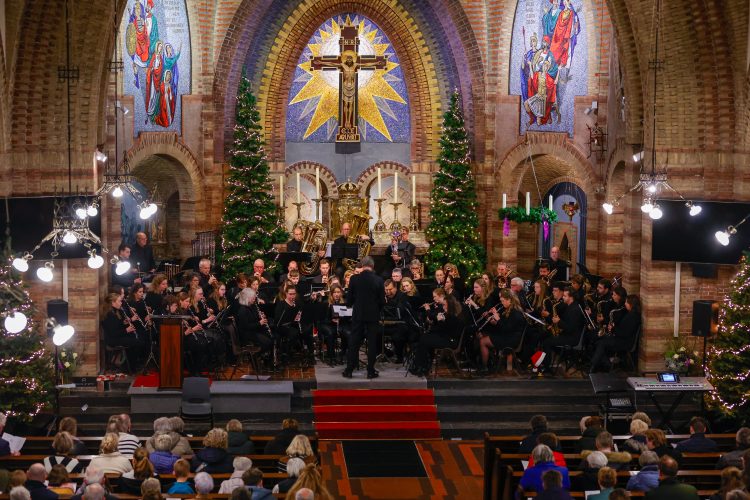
x,y
122,267
70,238
62,334
722,237
92,211
651,188
95,261
117,192
21,265
647,207
656,213
44,274
695,210
145,213
16,322
152,208
608,207
81,213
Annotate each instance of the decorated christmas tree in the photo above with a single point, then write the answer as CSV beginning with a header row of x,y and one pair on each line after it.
x,y
729,354
453,232
250,222
26,374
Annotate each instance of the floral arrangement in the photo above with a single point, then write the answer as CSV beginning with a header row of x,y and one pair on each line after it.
x,y
68,361
536,215
680,357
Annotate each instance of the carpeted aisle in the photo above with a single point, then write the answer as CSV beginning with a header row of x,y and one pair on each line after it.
x,y
376,414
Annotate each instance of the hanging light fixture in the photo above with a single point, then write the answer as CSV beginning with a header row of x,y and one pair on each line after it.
x,y
15,322
44,273
95,261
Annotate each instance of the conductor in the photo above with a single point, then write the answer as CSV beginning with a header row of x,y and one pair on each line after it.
x,y
366,296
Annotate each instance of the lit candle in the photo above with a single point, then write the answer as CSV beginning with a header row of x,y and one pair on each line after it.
x,y
395,187
528,203
413,191
380,184
505,200
317,183
550,203
281,190
299,195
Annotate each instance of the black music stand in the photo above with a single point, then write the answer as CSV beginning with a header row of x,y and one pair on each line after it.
x,y
617,405
348,251
284,258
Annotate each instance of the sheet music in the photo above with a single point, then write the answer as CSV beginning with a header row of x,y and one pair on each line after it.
x,y
329,245
16,442
342,311
534,318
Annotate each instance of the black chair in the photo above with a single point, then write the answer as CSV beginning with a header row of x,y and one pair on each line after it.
x,y
112,353
242,353
451,353
628,357
572,355
196,401
513,352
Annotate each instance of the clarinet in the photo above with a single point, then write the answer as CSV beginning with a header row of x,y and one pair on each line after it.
x,y
126,321
262,315
133,312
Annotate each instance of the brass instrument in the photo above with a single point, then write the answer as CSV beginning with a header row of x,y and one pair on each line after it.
x,y
351,207
602,330
611,323
502,279
312,241
548,279
553,328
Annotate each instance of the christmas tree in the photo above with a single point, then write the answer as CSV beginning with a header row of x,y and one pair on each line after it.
x,y
453,231
26,375
250,223
729,354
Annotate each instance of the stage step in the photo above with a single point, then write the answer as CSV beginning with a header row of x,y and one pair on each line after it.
x,y
374,397
373,413
378,430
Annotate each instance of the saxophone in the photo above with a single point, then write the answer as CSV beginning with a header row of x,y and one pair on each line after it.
x,y
611,324
553,328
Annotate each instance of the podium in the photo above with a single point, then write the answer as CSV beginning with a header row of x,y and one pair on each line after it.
x,y
170,350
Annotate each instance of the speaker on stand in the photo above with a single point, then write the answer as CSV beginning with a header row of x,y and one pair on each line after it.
x,y
705,322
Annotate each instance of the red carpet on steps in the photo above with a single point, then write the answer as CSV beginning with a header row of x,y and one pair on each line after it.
x,y
375,414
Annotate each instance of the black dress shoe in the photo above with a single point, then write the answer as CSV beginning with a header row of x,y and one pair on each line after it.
x,y
373,374
347,373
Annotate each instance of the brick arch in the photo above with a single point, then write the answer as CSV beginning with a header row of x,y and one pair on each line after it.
x,y
371,172
327,178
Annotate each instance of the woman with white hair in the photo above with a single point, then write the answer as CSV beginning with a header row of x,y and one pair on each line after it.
x,y
240,464
165,425
294,468
300,447
252,325
544,460
204,484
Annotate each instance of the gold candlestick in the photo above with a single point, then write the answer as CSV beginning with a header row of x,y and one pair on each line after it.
x,y
317,208
298,204
281,215
395,225
380,225
413,224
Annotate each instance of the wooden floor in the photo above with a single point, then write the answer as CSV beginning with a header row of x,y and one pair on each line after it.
x,y
454,470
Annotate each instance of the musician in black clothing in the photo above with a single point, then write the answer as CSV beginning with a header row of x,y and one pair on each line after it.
x,y
395,309
118,330
292,266
295,244
443,330
333,327
477,305
142,255
138,311
570,323
451,288
458,283
259,270
288,321
207,280
325,272
157,293
129,277
617,309
206,316
621,338
366,296
505,328
252,325
194,342
577,282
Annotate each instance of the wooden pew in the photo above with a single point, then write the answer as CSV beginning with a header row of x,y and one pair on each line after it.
x,y
709,480
690,461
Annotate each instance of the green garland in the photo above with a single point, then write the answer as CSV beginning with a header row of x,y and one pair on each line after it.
x,y
537,215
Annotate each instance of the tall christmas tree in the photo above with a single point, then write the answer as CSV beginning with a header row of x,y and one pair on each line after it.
x,y
250,223
453,231
26,375
729,354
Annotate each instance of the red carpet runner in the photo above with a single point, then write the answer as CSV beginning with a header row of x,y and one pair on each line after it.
x,y
376,414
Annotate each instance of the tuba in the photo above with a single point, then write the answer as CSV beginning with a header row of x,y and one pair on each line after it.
x,y
312,241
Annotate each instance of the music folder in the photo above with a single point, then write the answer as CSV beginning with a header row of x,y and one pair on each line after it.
x,y
348,251
301,257
342,311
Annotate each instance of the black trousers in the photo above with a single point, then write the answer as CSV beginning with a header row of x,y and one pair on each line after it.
x,y
400,336
262,340
362,330
554,341
427,343
295,332
606,346
135,347
197,348
328,332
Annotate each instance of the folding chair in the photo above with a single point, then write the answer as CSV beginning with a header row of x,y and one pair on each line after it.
x,y
196,400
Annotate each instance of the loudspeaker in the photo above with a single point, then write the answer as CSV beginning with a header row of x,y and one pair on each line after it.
x,y
58,309
705,271
705,318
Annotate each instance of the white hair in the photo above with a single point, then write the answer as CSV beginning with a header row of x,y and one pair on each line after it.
x,y
242,463
94,492
295,466
246,295
304,494
162,424
163,442
542,453
517,281
19,493
648,457
204,483
94,475
596,460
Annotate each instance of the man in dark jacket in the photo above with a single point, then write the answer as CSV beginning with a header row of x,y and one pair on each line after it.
x,y
669,487
35,478
279,444
539,426
734,457
593,426
366,296
697,442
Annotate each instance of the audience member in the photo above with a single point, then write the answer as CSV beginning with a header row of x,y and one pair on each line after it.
x,y
636,443
70,425
204,484
615,459
669,487
19,493
162,458
550,439
738,495
253,479
734,457
590,428
180,445
553,490
4,481
240,464
17,478
619,494
181,474
589,478
109,459
142,466
305,494
607,480
94,492
544,460
656,440
697,442
241,493
213,458
294,468
539,425
239,442
151,486
731,479
59,481
35,483
63,446
4,445
642,416
280,442
648,477
128,443
311,479
300,447
93,476
182,448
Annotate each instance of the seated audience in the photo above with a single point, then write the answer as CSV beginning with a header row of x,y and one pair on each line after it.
x,y
142,469
35,483
240,464
238,440
204,484
181,486
656,441
19,493
162,458
697,442
294,468
17,478
550,439
648,477
180,445
253,479
151,488
311,479
241,493
589,478
299,448
553,490
538,424
731,479
59,481
95,492
615,459
669,487
93,477
109,459
636,443
544,460
619,494
280,442
70,425
734,457
120,424
213,458
304,494
590,428
642,416
4,445
4,480
63,446
607,480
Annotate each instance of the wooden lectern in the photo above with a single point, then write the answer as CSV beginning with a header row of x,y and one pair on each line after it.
x,y
170,351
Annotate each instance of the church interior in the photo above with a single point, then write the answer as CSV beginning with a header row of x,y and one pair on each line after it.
x,y
594,145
